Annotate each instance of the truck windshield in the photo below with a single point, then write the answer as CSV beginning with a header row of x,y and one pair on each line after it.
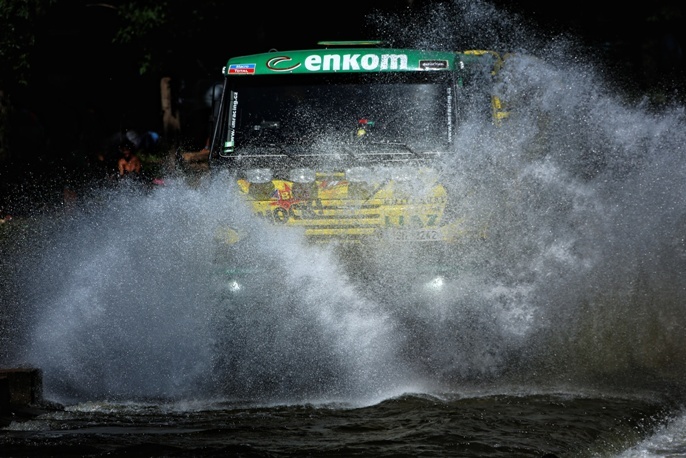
x,y
411,108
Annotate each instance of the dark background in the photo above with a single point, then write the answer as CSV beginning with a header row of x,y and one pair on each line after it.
x,y
85,86
77,66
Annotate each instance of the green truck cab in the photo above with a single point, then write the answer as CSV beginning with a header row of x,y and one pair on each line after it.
x,y
345,143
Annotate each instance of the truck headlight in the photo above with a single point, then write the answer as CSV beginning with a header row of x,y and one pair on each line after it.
x,y
402,173
359,175
304,175
435,285
259,176
234,286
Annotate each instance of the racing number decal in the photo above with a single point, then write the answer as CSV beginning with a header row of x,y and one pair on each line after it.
x,y
294,210
280,215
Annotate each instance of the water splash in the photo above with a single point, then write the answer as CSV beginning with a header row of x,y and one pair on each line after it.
x,y
574,275
581,196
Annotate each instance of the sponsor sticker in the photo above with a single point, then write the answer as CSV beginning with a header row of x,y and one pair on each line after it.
x,y
433,64
244,69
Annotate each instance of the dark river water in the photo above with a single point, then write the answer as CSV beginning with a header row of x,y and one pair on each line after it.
x,y
483,425
560,330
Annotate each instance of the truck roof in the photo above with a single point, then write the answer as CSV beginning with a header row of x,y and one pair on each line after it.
x,y
345,60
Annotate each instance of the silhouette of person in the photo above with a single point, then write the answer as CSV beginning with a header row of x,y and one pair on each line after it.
x,y
129,164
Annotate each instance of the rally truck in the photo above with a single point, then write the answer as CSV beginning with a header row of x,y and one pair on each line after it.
x,y
345,143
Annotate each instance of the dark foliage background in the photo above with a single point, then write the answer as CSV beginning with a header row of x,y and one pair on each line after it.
x,y
77,72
